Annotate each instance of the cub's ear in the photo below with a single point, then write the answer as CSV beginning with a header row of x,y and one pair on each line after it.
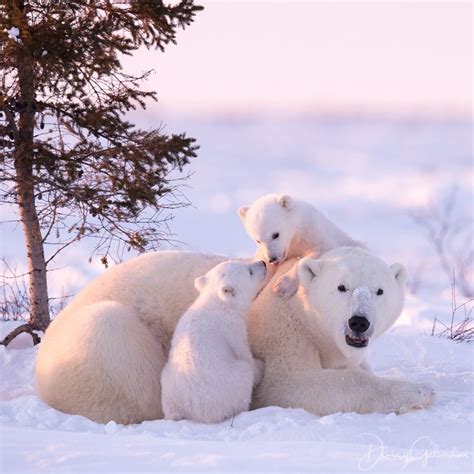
x,y
242,211
226,293
200,283
308,269
286,202
400,273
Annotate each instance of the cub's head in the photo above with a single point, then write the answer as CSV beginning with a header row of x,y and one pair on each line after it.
x,y
355,295
271,223
233,282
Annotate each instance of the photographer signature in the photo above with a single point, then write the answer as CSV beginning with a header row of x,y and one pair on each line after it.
x,y
421,450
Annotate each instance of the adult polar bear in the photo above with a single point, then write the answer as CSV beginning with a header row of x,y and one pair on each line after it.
x,y
314,344
103,355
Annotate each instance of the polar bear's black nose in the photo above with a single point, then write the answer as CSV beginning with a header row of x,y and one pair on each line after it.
x,y
272,259
359,323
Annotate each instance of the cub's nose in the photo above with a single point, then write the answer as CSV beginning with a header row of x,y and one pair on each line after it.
x,y
359,323
262,262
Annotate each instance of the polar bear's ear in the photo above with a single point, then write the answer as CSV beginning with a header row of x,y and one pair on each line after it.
x,y
200,283
286,202
243,211
308,269
400,273
226,292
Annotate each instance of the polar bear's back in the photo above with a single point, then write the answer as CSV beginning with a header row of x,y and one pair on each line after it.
x,y
149,282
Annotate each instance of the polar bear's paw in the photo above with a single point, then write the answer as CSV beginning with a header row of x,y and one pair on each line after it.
x,y
286,286
414,396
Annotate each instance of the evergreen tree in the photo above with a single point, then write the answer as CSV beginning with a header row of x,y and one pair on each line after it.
x,y
69,158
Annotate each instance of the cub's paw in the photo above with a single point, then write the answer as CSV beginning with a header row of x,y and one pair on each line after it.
x,y
415,396
286,286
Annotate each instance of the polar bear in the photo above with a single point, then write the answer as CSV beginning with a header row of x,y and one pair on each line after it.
x,y
284,227
347,298
210,371
103,355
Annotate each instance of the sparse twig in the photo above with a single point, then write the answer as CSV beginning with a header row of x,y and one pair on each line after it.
x,y
451,238
14,302
462,331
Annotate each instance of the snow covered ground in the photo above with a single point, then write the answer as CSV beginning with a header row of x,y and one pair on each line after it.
x,y
37,438
368,175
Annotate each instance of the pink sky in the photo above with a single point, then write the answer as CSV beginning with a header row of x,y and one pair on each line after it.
x,y
318,55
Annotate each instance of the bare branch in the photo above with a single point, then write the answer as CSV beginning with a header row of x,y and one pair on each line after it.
x,y
28,328
450,237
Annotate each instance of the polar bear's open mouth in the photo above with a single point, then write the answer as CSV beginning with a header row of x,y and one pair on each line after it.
x,y
357,341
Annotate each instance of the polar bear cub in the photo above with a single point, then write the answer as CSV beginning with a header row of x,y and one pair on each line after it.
x,y
210,371
285,227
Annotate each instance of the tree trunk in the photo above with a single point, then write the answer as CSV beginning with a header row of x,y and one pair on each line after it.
x,y
38,286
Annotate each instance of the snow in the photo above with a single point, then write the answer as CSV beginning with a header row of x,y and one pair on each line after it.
x,y
14,33
37,438
363,298
367,175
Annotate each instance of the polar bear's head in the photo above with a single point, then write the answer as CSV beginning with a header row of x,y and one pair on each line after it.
x,y
355,295
272,223
233,282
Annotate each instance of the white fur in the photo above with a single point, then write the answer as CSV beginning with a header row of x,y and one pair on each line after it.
x,y
103,355
210,370
300,227
311,366
285,227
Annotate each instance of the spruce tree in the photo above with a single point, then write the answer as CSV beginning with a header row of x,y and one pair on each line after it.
x,y
70,160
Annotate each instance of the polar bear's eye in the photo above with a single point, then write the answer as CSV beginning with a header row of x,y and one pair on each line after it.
x,y
379,292
342,288
250,271
275,235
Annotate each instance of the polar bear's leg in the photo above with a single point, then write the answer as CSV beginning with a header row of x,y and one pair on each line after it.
x,y
327,391
103,364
